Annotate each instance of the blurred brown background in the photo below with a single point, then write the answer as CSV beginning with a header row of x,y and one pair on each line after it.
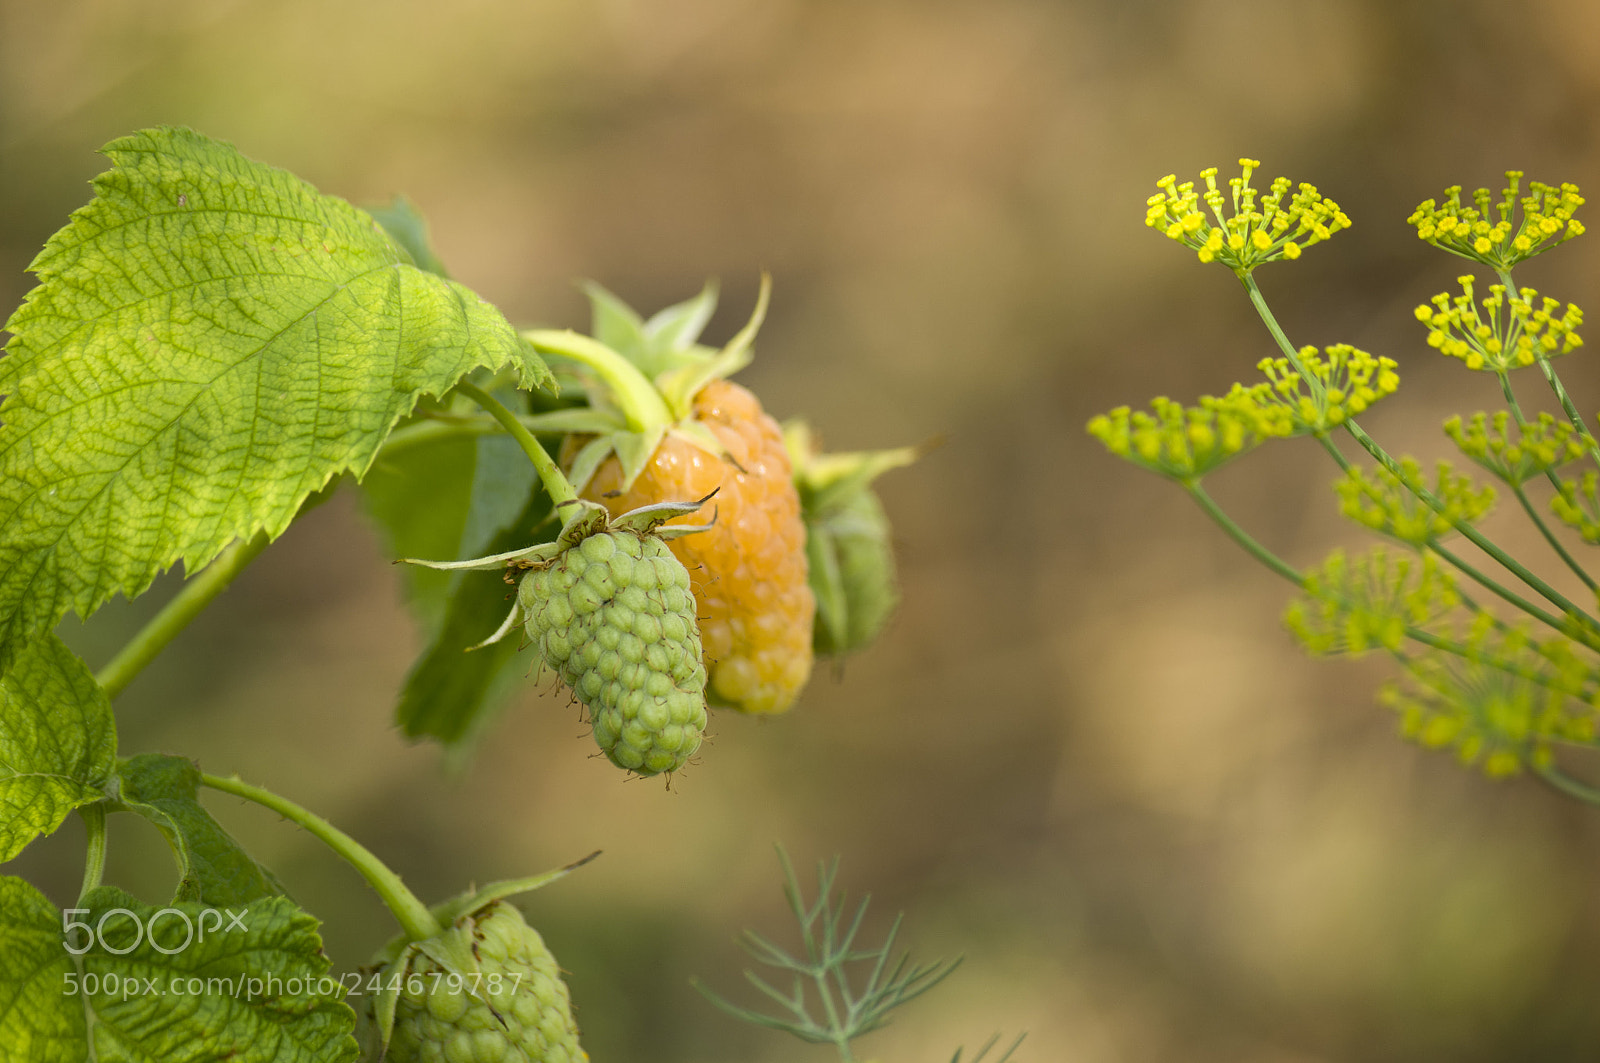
x,y
1086,755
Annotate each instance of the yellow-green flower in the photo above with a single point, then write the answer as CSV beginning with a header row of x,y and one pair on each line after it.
x,y
1390,501
1185,443
1516,453
1262,226
1547,220
1355,604
1512,332
1577,504
1347,381
1503,706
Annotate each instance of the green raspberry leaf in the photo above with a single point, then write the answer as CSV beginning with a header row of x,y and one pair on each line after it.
x,y
211,341
419,499
445,500
451,693
37,1023
211,866
250,989
58,742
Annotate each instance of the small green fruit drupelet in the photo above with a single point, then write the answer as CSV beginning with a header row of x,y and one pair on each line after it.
x,y
518,1011
613,615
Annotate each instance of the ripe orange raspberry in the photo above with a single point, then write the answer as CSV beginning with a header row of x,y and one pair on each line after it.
x,y
748,572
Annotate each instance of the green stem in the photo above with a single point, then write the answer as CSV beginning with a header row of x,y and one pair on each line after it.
x,y
1567,406
443,427
197,593
841,1037
555,484
1471,572
1242,537
1550,537
1472,655
1527,506
638,399
94,861
1383,458
414,917
1511,398
1259,301
1472,534
1335,453
1412,631
1495,588
1568,785
1554,381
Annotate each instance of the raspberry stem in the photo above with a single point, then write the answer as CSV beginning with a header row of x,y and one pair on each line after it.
x,y
555,484
94,861
197,593
413,916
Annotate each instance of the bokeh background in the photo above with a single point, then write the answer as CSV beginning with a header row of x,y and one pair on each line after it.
x,y
1086,755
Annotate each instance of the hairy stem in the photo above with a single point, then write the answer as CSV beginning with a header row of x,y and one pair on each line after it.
x,y
94,861
555,484
197,593
413,916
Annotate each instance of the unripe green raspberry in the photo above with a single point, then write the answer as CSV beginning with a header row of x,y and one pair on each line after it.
x,y
853,573
614,617
849,552
515,1009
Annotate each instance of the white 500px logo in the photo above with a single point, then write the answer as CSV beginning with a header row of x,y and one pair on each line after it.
x,y
210,919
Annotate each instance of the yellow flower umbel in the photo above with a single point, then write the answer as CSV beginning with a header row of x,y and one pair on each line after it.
x,y
1390,501
1467,231
1502,339
1185,443
1258,230
1515,453
1504,706
1348,380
